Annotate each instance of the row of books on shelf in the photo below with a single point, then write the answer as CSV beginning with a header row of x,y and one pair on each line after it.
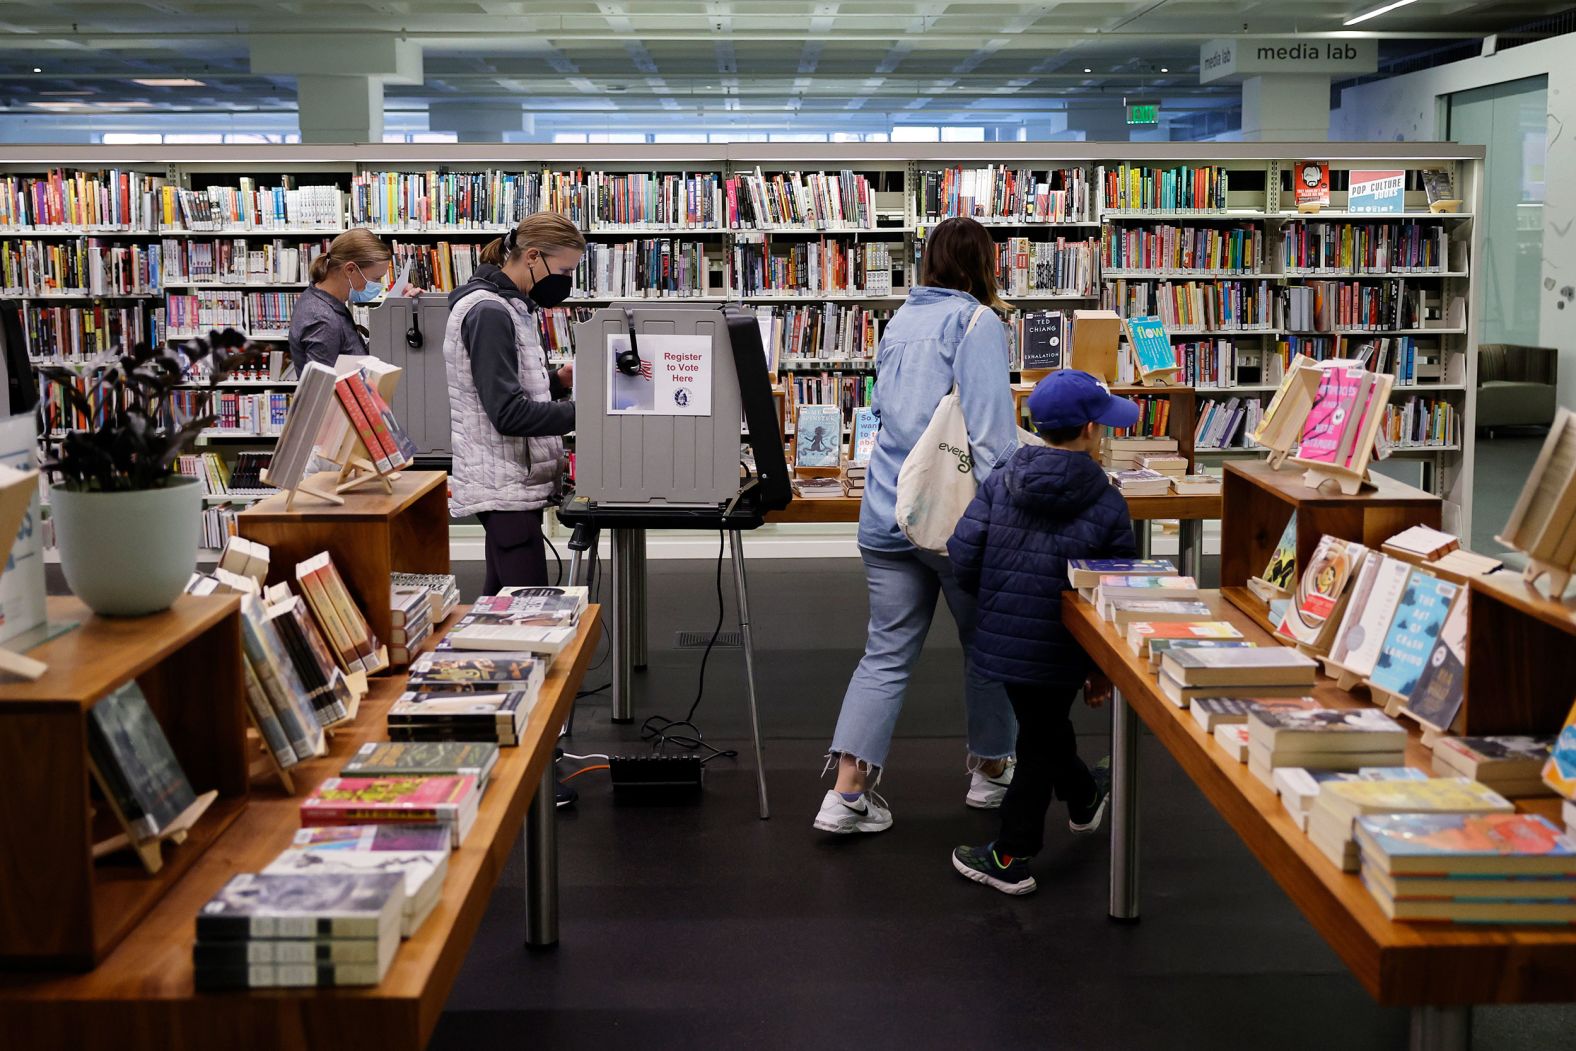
x,y
1002,194
829,267
199,312
1062,267
187,260
1340,771
1215,248
1228,423
1367,248
85,267
220,477
367,866
845,391
260,413
252,207
1134,187
140,202
1197,305
1315,306
829,331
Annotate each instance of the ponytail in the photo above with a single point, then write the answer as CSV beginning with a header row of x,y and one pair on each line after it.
x,y
544,231
360,246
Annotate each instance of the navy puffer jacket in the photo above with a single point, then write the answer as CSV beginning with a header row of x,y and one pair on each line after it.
x,y
1011,548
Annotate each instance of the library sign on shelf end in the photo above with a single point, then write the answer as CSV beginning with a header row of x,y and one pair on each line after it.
x,y
1248,57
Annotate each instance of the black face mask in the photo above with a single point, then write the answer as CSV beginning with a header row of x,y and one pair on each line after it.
x,y
550,289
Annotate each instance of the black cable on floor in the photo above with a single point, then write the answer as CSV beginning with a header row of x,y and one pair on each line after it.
x,y
658,729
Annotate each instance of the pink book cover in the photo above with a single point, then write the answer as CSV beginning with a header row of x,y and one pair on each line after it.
x,y
403,798
1329,417
1370,405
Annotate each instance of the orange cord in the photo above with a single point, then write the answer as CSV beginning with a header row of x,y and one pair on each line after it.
x,y
586,770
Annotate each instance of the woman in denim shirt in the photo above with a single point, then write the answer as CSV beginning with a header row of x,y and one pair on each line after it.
x,y
927,348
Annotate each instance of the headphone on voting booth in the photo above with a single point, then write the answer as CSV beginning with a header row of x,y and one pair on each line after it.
x,y
627,360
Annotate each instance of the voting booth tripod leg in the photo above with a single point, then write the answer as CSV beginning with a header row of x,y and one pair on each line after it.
x,y
736,543
583,539
638,620
1190,537
1141,536
540,844
1441,1029
623,624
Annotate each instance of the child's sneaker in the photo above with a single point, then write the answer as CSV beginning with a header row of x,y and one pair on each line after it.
x,y
986,792
984,865
869,813
1088,818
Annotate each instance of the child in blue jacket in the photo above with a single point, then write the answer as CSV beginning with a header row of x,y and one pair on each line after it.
x,y
1047,505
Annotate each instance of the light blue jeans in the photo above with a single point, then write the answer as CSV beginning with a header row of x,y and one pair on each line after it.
x,y
903,588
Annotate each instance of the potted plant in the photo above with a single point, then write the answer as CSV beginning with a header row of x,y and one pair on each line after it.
x,y
126,520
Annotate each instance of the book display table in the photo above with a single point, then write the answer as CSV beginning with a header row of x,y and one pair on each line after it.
x,y
372,534
1437,970
140,997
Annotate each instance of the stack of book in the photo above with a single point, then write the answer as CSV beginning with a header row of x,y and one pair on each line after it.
x,y
1115,588
1511,766
496,717
1172,465
817,488
1085,574
262,931
424,759
1420,543
1128,453
854,479
1299,787
1339,803
418,853
410,612
348,633
539,621
1461,868
447,800
1141,635
1197,485
443,588
1323,739
1213,712
1255,671
1157,648
1123,612
1142,482
1460,564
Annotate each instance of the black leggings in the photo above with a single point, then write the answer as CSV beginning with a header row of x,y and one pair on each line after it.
x,y
516,552
1048,766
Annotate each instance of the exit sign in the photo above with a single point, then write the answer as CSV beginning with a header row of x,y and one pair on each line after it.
x,y
1143,113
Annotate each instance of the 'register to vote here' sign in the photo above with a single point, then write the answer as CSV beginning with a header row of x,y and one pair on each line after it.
x,y
1250,57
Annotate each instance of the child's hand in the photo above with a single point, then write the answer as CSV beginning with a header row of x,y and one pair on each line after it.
x,y
1097,689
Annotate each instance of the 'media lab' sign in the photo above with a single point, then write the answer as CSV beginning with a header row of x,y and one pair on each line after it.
x,y
1219,59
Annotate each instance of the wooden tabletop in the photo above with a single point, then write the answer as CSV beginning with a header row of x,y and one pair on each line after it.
x,y
141,996
1143,508
1287,482
1508,587
368,501
1398,963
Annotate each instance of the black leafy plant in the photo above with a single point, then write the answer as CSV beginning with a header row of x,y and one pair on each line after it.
x,y
136,432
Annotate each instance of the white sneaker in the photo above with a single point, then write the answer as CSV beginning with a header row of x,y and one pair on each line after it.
x,y
870,814
985,793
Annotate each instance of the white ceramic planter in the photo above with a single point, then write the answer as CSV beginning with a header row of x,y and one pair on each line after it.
x,y
126,554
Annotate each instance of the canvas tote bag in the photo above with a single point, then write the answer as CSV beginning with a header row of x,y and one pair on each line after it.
x,y
936,482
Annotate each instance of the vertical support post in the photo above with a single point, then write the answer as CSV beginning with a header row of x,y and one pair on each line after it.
x,y
623,624
541,864
639,621
1141,536
1441,1029
1190,535
736,544
1124,810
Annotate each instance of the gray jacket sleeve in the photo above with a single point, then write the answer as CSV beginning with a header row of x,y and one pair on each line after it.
x,y
488,331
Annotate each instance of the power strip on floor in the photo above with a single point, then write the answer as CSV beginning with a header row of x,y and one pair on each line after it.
x,y
656,778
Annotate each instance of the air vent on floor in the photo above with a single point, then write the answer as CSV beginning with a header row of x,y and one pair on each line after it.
x,y
696,640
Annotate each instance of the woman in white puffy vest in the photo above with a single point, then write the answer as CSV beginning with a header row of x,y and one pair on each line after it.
x,y
509,411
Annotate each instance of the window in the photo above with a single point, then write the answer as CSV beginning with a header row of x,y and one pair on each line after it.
x,y
173,138
569,136
679,136
915,133
130,138
959,134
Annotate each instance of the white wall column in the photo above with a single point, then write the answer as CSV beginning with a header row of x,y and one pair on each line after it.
x,y
476,121
1286,107
339,79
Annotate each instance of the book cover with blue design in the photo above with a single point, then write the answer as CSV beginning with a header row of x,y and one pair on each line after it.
x,y
1152,351
1559,773
1413,632
866,424
818,436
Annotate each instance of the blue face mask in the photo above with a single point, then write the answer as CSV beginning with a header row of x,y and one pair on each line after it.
x,y
367,293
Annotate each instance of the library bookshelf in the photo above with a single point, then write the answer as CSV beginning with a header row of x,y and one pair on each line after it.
x,y
837,280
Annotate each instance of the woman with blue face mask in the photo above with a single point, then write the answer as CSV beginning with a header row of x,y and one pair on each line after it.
x,y
355,269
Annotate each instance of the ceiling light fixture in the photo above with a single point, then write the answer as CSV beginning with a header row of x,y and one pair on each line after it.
x,y
1163,69
170,82
38,69
1088,70
1376,12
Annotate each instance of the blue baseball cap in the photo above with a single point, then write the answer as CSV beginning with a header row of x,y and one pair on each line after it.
x,y
1070,398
